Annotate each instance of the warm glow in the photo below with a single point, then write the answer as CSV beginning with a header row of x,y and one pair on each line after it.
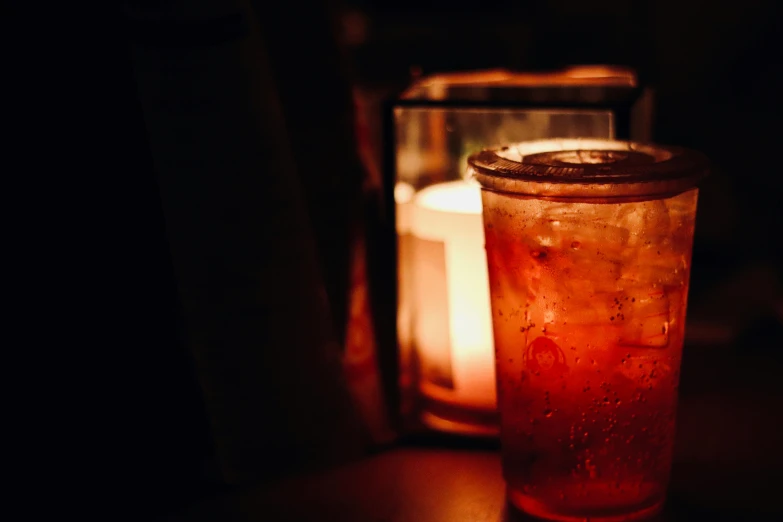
x,y
608,73
403,198
403,195
450,213
582,75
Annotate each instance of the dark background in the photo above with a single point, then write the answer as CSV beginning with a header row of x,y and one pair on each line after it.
x,y
80,138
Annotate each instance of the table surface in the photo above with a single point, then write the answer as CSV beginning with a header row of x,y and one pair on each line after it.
x,y
434,485
727,465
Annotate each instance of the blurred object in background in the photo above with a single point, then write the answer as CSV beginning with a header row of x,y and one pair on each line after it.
x,y
261,190
361,349
339,188
444,333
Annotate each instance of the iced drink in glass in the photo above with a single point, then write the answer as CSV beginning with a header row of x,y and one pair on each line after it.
x,y
589,249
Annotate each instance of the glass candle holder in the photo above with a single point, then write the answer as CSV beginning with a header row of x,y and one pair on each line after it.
x,y
444,329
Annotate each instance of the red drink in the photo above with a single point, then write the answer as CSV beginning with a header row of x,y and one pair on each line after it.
x,y
588,267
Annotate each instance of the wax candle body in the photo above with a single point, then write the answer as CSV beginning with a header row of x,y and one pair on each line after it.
x,y
452,328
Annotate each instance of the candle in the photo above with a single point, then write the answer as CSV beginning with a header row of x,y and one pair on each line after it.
x,y
452,327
